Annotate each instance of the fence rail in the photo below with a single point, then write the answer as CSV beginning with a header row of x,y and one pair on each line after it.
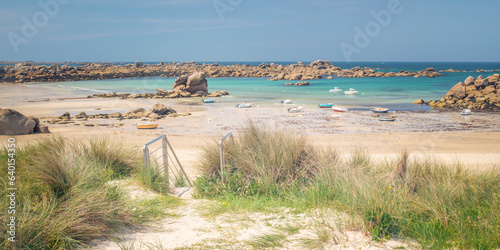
x,y
162,158
222,157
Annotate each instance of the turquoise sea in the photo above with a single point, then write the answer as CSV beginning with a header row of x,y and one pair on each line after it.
x,y
396,93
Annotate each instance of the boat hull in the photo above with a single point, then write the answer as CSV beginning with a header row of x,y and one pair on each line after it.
x,y
339,109
325,106
466,112
147,126
295,110
245,105
335,90
380,111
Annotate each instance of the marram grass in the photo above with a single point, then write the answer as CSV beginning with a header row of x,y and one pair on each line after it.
x,y
65,197
419,200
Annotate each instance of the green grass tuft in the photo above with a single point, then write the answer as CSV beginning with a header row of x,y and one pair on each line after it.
x,y
268,241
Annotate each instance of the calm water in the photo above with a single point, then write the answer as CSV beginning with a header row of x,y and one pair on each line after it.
x,y
396,93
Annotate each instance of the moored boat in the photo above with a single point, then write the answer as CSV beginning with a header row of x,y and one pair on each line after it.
x,y
339,109
208,100
148,125
466,112
287,101
380,110
387,119
324,106
335,90
295,109
351,92
244,105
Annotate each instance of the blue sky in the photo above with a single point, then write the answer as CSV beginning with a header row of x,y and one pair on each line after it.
x,y
249,30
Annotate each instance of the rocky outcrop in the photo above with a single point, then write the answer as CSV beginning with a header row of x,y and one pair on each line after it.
x,y
187,85
428,72
197,84
480,93
29,72
15,123
419,101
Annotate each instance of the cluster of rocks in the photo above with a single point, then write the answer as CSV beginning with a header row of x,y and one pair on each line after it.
x,y
428,72
480,93
158,111
82,116
15,123
194,85
329,69
451,71
29,72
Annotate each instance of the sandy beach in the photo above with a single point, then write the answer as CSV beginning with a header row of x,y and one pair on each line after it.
x,y
444,135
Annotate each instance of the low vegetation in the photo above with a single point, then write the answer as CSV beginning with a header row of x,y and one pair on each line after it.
x,y
421,201
69,193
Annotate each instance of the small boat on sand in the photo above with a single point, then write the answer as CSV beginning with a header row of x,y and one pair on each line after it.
x,y
466,112
148,125
287,101
387,119
351,92
295,109
335,90
339,109
208,100
380,110
244,105
324,106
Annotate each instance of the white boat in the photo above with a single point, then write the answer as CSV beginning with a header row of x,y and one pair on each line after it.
x,y
380,110
466,112
335,90
351,92
287,101
244,105
387,119
339,109
295,109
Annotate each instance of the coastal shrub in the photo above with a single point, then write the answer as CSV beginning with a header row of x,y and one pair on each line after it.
x,y
422,200
65,197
